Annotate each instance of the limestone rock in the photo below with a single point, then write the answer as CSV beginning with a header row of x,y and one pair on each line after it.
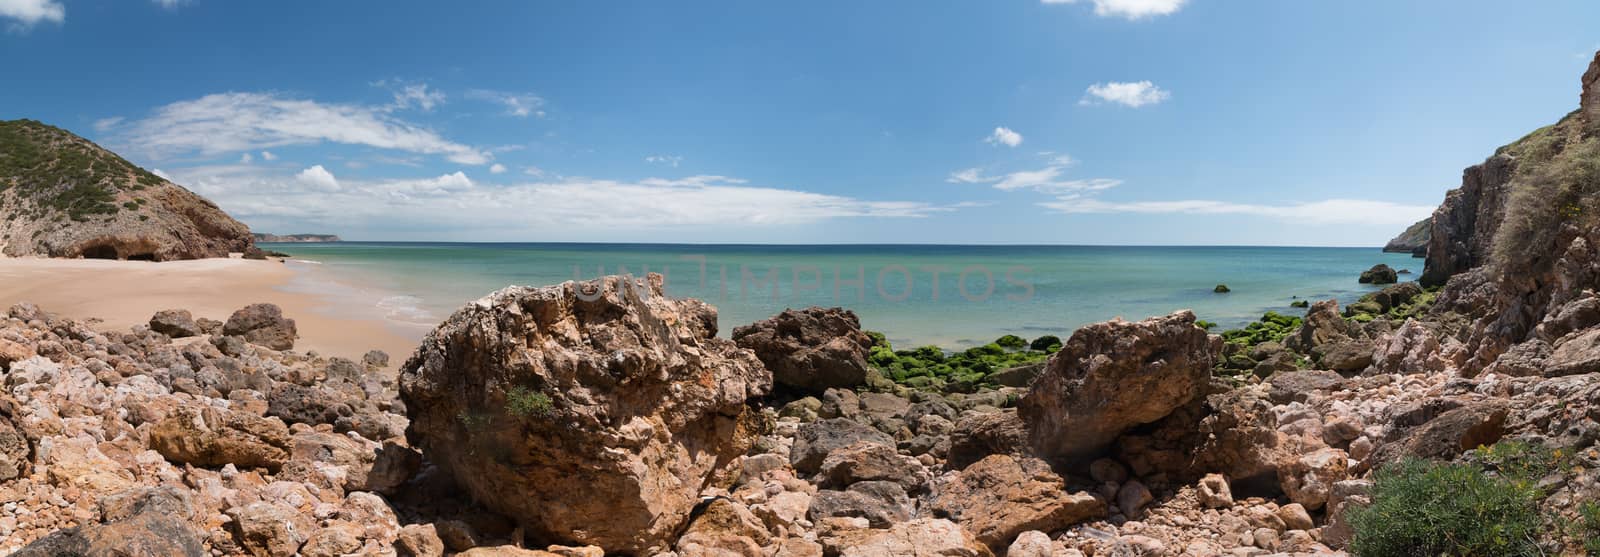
x,y
816,440
918,538
811,349
589,412
1112,376
999,497
175,323
262,324
1379,274
210,436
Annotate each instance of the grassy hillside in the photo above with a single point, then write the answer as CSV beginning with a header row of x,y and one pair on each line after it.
x,y
60,176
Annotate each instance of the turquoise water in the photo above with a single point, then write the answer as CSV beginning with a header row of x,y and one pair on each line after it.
x,y
1050,289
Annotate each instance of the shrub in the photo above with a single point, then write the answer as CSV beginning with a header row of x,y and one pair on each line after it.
x,y
526,403
1589,527
1427,508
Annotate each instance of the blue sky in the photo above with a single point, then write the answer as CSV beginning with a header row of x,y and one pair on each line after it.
x,y
1003,121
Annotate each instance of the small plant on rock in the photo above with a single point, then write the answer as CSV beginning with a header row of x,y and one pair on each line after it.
x,y
527,403
1429,508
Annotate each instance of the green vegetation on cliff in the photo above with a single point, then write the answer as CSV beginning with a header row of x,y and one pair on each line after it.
x,y
57,172
1556,182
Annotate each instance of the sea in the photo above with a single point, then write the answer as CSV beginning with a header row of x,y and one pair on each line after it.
x,y
949,296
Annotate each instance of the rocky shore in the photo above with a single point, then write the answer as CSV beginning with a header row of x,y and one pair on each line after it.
x,y
1456,416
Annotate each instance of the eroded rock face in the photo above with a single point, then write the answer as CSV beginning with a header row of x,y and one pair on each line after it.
x,y
1379,274
175,323
590,412
1112,376
1589,99
1464,225
813,349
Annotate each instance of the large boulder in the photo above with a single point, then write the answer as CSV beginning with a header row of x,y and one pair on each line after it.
x,y
918,538
1112,376
175,323
146,523
1000,497
811,349
589,412
262,324
1379,274
207,436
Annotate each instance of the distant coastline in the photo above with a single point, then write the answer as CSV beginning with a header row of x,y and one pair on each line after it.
x,y
295,238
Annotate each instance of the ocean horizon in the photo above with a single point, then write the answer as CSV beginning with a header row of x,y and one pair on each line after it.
x,y
949,295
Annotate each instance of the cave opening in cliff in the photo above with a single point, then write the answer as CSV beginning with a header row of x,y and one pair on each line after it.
x,y
142,257
100,252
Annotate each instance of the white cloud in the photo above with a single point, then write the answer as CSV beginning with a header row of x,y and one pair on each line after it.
x,y
1044,180
1132,94
1004,136
533,171
968,176
1331,211
313,197
497,168
319,178
246,158
669,160
104,124
170,4
415,95
521,105
268,156
1129,9
29,12
232,122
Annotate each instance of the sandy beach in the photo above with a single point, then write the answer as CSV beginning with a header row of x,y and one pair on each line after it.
x,y
126,293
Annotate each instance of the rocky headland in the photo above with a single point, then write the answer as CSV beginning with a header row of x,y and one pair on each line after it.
x,y
1414,240
1458,416
63,196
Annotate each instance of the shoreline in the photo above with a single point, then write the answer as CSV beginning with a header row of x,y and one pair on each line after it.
x,y
122,294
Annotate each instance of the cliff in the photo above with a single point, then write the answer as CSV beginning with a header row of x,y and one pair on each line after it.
x,y
1414,240
1516,242
294,238
64,196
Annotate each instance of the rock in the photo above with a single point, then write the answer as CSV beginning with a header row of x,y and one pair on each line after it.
x,y
981,434
1032,543
1221,289
12,352
1132,498
1297,386
336,538
1112,376
175,323
16,450
1379,274
725,526
880,503
1394,296
918,538
1019,376
604,399
269,529
375,359
1574,354
1413,348
1450,433
870,461
1214,492
811,349
93,218
815,441
1321,325
1295,517
1105,470
419,540
1345,355
298,404
262,324
1589,99
148,532
999,497
214,437
1414,240
1306,480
